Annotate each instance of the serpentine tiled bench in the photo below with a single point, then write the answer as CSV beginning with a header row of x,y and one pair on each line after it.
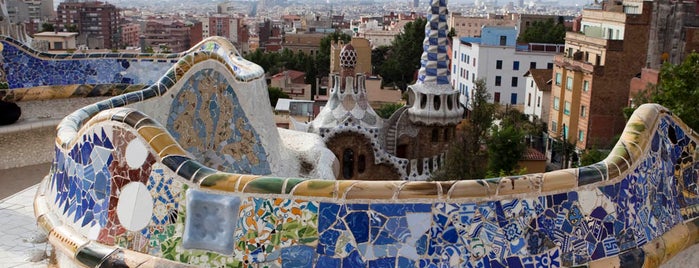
x,y
124,191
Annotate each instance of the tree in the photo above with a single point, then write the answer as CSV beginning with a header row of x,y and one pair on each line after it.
x,y
72,28
451,33
387,109
378,57
404,56
275,94
47,27
547,31
678,89
505,149
591,156
466,158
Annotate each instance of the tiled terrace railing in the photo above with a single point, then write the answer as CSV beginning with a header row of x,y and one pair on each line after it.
x,y
122,192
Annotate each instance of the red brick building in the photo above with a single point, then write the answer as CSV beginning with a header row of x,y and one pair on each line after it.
x,y
97,23
130,33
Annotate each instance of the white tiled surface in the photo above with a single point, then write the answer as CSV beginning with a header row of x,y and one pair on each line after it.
x,y
17,230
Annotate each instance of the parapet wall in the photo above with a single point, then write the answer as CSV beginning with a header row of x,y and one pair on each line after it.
x,y
122,191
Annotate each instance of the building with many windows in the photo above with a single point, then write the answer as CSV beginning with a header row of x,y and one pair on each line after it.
x,y
97,22
496,58
590,84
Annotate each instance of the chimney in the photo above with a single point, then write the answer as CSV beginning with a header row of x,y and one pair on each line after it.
x,y
142,43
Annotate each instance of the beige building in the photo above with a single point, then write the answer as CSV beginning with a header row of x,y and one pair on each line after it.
x,y
58,40
308,43
471,26
376,94
590,84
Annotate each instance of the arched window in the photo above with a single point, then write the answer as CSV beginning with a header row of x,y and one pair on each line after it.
x,y
361,163
348,164
437,102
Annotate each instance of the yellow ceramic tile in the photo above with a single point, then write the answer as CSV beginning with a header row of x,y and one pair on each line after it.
x,y
654,253
470,188
161,142
243,180
610,262
693,230
149,132
315,188
48,221
65,239
675,240
174,149
559,180
420,189
220,181
374,190
342,186
634,143
518,185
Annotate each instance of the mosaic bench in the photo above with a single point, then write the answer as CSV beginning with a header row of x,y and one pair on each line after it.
x,y
123,192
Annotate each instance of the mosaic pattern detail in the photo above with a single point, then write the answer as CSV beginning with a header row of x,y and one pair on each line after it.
x,y
24,67
571,228
266,227
434,61
25,70
207,120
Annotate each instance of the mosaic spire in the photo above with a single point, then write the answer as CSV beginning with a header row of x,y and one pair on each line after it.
x,y
434,61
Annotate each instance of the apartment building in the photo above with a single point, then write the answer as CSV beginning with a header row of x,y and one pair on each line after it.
x,y
497,58
590,84
97,22
168,35
472,26
130,33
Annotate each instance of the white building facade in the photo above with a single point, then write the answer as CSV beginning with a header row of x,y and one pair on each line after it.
x,y
537,94
496,58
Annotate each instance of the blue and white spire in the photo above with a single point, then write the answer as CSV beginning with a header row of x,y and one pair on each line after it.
x,y
432,99
435,61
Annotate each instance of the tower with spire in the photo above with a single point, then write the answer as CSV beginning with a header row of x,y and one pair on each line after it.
x,y
411,144
434,101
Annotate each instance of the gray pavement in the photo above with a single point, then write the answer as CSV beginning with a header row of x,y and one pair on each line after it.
x,y
23,245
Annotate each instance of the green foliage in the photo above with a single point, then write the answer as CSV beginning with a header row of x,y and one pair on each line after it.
x,y
547,31
403,57
451,33
72,28
47,27
387,109
505,148
275,94
378,57
482,114
678,89
591,156
149,49
466,158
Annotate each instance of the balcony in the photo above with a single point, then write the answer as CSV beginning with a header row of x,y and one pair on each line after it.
x,y
580,39
577,65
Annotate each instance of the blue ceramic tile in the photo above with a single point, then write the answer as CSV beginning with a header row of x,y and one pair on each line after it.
x,y
210,222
